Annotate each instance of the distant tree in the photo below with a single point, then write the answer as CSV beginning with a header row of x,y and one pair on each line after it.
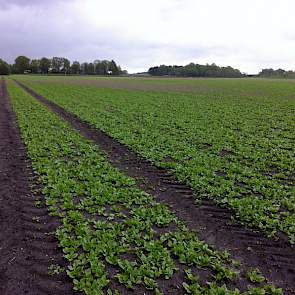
x,y
267,73
90,70
195,70
105,67
120,70
57,64
84,68
271,73
75,67
45,65
113,68
290,74
22,63
190,70
4,68
35,66
99,67
63,65
66,65
60,65
12,69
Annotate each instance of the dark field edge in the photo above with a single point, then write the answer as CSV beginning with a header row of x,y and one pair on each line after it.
x,y
27,242
214,225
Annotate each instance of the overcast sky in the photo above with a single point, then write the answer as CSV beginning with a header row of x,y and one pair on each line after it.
x,y
246,34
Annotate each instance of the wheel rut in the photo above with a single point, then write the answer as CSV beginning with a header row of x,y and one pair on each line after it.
x,y
23,268
213,224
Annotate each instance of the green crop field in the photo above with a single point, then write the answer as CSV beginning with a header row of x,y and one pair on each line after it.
x,y
230,140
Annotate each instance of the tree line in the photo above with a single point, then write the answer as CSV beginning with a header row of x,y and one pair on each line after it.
x,y
271,73
62,65
4,67
196,70
59,65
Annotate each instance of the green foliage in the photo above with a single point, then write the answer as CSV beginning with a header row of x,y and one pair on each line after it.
x,y
59,65
193,287
233,146
255,276
75,67
105,220
196,70
55,269
271,73
4,68
35,66
21,64
45,64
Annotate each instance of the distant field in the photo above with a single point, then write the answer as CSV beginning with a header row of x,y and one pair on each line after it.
x,y
245,87
232,140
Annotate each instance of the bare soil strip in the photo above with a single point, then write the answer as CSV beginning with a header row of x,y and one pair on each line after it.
x,y
27,248
276,259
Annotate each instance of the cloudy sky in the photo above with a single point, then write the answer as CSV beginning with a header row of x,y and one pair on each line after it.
x,y
246,34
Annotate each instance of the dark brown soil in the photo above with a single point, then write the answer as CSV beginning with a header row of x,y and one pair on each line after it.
x,y
26,247
213,224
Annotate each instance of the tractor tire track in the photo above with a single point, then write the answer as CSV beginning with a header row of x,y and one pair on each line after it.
x,y
214,225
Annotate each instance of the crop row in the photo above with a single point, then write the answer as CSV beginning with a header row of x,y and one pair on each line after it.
x,y
237,151
110,230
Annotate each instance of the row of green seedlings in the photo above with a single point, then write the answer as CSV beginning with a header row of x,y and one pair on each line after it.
x,y
183,133
106,221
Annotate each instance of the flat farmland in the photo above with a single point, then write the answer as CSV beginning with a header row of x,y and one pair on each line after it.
x,y
236,149
165,186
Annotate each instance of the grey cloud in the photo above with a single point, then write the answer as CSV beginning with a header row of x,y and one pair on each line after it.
x,y
4,4
34,32
76,42
41,35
